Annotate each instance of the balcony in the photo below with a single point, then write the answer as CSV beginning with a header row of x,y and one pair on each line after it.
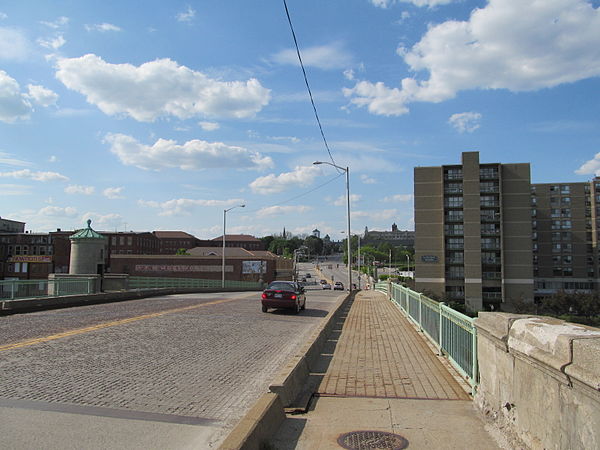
x,y
490,217
490,204
460,295
491,261
491,275
490,231
455,276
490,190
453,218
492,295
454,246
452,232
490,245
448,190
459,261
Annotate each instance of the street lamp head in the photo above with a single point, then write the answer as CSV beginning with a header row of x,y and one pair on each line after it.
x,y
318,162
242,206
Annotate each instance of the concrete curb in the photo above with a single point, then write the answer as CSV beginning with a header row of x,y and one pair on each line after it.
x,y
265,417
40,304
267,414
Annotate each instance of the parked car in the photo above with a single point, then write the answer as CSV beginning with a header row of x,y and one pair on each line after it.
x,y
284,294
338,286
326,285
308,275
323,281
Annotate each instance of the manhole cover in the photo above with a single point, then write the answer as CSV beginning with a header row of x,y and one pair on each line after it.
x,y
359,440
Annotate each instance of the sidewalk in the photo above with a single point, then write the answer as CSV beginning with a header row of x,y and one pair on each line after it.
x,y
383,377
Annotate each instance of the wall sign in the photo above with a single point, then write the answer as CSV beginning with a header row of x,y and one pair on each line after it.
x,y
429,258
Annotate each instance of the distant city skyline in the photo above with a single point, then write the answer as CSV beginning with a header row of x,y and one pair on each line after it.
x,y
161,116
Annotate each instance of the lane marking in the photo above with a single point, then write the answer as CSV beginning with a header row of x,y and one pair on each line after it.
x,y
114,323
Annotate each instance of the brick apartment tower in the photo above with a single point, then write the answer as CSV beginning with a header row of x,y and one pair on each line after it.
x,y
473,233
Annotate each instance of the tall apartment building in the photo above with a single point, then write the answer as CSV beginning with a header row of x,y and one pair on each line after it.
x,y
565,227
473,232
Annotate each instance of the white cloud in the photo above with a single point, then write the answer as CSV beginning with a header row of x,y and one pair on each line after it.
x,y
375,216
37,176
7,159
41,95
102,27
465,122
52,43
209,126
111,220
430,3
280,210
327,57
590,167
58,211
192,155
554,42
187,15
122,89
185,206
3,16
349,74
53,159
367,179
398,198
13,106
270,184
76,189
13,44
341,201
58,23
113,192
15,189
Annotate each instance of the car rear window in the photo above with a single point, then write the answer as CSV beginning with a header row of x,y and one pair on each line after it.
x,y
279,286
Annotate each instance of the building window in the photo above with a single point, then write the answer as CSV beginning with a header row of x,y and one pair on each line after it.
x,y
488,172
454,202
556,259
566,225
565,189
488,200
122,240
556,236
567,271
555,212
129,240
566,200
453,188
556,224
567,259
565,212
453,174
556,248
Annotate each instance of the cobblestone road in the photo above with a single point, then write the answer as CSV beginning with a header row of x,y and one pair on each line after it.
x,y
211,361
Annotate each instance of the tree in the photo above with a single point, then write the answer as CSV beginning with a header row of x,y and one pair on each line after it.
x,y
314,245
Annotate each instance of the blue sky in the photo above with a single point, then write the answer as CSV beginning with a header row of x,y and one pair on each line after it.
x,y
153,115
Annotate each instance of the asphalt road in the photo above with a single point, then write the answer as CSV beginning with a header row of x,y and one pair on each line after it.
x,y
171,372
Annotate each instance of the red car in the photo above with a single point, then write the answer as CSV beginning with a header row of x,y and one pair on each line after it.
x,y
284,294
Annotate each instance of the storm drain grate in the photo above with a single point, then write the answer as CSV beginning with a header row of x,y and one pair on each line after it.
x,y
362,440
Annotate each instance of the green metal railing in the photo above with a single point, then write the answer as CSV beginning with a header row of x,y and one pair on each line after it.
x,y
20,289
156,282
381,286
453,333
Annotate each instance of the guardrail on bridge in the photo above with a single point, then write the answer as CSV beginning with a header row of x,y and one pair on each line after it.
x,y
16,289
453,333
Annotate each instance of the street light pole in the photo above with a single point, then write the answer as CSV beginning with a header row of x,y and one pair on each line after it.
x,y
407,263
347,170
358,262
224,231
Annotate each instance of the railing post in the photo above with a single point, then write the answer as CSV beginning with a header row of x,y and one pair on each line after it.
x,y
12,290
420,312
475,362
441,337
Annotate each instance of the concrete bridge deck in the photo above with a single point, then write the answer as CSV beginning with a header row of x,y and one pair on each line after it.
x,y
384,377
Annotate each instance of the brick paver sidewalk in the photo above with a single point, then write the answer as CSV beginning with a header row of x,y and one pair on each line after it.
x,y
380,354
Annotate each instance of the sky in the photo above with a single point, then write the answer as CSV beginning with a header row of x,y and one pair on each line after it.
x,y
153,115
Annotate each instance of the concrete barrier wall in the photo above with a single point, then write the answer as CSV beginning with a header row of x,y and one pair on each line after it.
x,y
540,379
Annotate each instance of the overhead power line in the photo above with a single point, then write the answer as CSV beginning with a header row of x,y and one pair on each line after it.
x,y
287,12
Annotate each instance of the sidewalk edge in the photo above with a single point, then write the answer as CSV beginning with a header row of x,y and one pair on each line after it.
x,y
265,417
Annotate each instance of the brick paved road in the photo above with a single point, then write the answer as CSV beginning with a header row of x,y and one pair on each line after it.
x,y
204,364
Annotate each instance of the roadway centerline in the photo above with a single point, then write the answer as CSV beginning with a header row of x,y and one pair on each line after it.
x,y
114,323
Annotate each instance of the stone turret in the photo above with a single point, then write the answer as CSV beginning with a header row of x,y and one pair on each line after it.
x,y
88,250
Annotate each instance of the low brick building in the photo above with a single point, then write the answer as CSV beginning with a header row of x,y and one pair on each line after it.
x,y
202,263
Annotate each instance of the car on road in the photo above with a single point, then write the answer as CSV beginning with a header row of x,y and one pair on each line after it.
x,y
284,294
308,275
326,285
323,282
338,286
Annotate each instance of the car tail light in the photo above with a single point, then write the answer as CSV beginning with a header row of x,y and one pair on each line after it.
x,y
293,297
264,295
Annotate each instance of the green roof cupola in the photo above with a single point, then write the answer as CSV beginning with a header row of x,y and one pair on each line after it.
x,y
87,233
